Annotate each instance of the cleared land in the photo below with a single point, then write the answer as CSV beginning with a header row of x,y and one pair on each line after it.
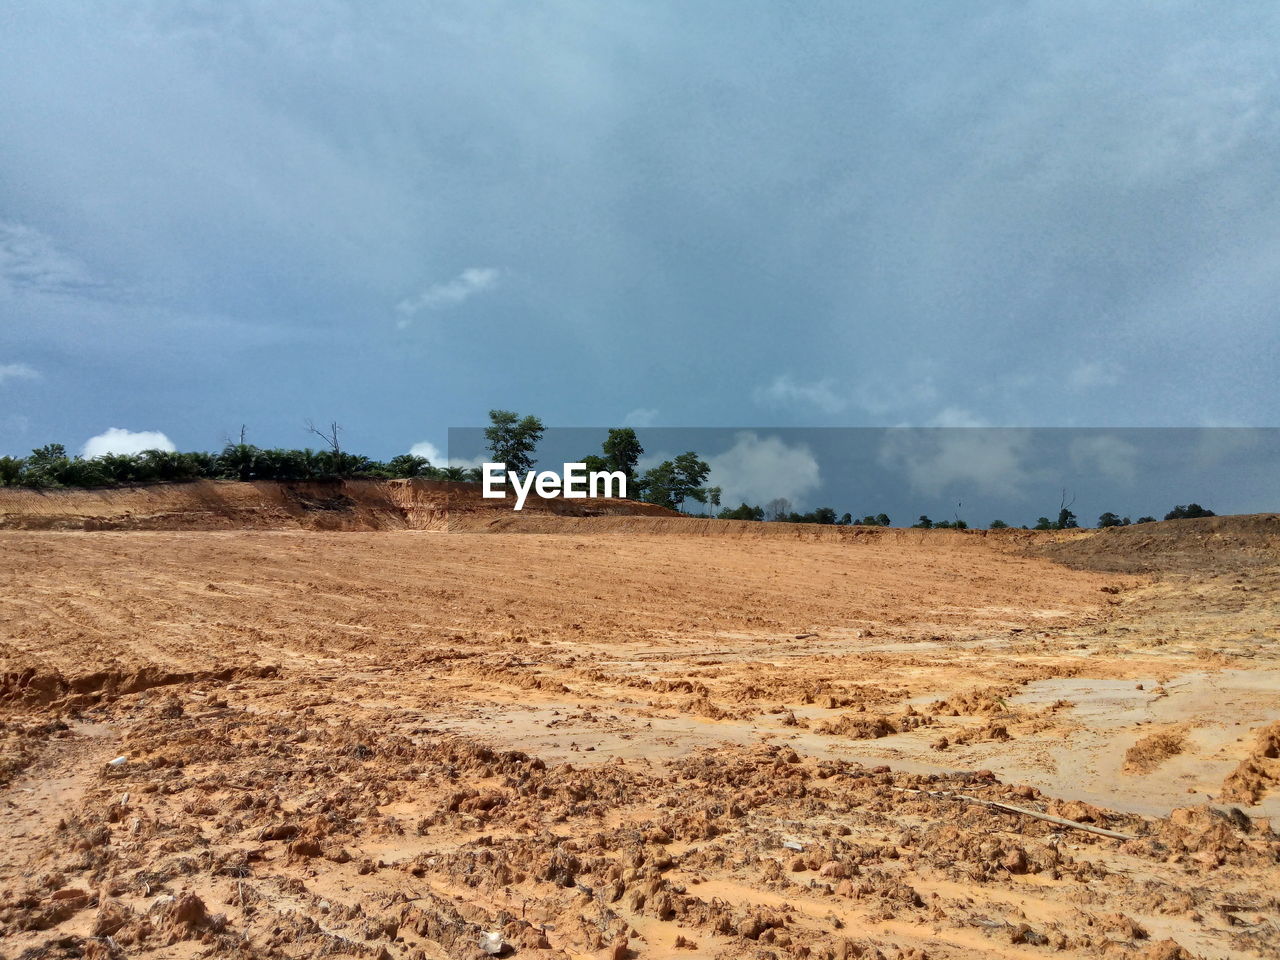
x,y
678,739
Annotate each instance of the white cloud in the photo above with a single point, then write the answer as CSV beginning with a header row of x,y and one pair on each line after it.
x,y
1106,454
118,440
959,451
18,371
426,448
429,450
641,417
449,293
785,391
1094,373
755,470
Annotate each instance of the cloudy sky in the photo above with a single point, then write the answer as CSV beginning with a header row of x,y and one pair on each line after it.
x,y
400,215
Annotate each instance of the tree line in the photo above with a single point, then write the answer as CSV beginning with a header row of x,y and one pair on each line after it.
x,y
511,440
50,466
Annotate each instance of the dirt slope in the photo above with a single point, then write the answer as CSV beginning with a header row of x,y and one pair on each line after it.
x,y
267,505
1182,546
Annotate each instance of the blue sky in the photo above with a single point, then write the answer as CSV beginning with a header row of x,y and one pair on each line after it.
x,y
401,215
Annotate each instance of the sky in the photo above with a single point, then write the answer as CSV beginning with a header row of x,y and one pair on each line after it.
x,y
398,216
975,474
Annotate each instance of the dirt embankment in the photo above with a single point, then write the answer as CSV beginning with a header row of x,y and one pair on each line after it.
x,y
1173,546
269,505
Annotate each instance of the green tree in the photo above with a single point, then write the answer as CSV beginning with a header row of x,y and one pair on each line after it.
x,y
924,523
237,461
1044,523
1066,520
407,465
1145,520
622,451
713,497
999,525
11,471
1190,511
672,482
513,439
1110,519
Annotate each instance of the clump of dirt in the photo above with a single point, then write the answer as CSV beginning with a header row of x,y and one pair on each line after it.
x,y
1153,749
1258,772
858,726
990,701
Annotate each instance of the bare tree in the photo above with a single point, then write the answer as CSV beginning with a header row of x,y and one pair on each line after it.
x,y
329,436
778,508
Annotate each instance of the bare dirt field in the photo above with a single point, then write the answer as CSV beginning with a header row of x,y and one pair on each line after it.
x,y
638,737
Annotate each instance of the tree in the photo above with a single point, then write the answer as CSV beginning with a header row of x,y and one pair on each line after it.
x,y
846,519
824,515
237,460
11,471
882,520
999,525
1145,520
743,512
713,497
408,465
1066,520
1110,519
46,466
777,508
671,482
1044,523
924,523
513,439
1189,512
622,451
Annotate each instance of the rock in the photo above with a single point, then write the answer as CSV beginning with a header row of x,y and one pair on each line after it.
x,y
1165,950
69,893
833,869
112,917
1015,861
491,943
751,927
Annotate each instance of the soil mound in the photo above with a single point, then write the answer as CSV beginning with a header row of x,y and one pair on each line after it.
x,y
1172,546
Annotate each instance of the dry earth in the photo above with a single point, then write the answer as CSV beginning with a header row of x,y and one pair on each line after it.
x,y
638,737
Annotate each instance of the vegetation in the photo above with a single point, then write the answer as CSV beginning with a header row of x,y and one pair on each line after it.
x,y
512,440
672,482
1188,512
50,467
